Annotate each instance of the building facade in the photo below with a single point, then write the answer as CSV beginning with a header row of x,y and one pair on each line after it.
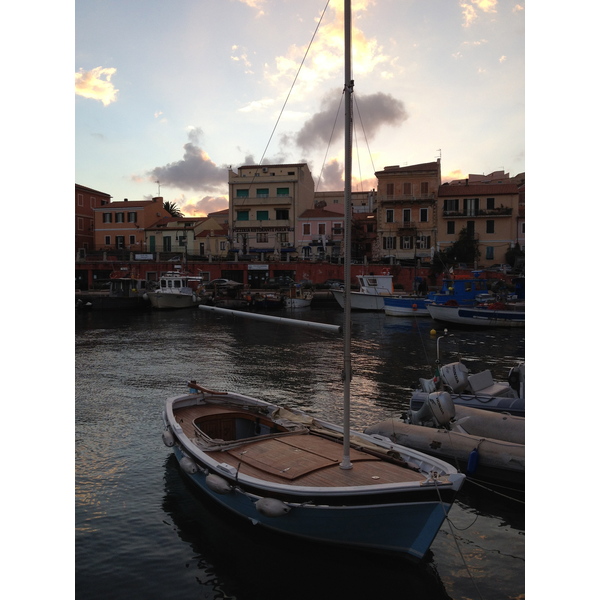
x,y
489,212
86,200
264,205
407,215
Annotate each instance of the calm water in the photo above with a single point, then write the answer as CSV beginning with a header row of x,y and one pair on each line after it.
x,y
142,532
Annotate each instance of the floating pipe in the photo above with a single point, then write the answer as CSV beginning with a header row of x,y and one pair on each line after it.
x,y
281,320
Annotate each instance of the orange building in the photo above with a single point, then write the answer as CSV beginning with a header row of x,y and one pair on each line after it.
x,y
86,200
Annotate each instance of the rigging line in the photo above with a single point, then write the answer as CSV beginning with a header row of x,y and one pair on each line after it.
x,y
294,82
364,133
329,143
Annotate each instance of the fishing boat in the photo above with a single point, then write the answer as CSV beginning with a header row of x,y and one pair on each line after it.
x,y
286,471
494,314
126,291
457,291
475,390
298,297
370,295
176,290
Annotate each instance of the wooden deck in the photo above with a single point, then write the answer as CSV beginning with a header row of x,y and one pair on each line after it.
x,y
303,459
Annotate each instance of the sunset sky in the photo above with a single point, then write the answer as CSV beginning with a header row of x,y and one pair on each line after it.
x,y
177,92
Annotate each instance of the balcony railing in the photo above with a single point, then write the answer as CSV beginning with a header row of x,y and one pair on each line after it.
x,y
504,211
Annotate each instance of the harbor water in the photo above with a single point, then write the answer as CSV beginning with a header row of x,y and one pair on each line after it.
x,y
143,532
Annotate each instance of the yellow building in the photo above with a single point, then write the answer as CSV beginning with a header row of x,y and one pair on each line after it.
x,y
407,211
264,205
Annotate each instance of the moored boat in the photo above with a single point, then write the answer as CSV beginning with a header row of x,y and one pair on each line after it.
x,y
126,291
284,470
298,297
176,290
494,314
370,295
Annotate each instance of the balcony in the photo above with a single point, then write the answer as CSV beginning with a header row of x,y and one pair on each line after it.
x,y
504,211
405,198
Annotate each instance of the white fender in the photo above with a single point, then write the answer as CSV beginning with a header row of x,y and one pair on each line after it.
x,y
218,484
188,465
168,438
270,507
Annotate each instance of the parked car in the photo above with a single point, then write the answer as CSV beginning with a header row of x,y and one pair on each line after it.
x,y
503,268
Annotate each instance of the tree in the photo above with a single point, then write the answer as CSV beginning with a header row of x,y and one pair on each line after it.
x,y
464,250
172,209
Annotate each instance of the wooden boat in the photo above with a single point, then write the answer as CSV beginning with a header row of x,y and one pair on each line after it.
x,y
126,292
495,314
286,471
298,297
370,295
176,290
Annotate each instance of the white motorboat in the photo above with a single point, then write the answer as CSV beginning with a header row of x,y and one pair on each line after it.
x,y
176,290
370,295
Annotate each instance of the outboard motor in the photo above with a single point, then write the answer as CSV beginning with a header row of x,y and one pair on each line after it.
x,y
516,379
438,409
455,376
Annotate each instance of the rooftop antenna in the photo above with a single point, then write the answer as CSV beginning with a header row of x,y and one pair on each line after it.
x,y
440,155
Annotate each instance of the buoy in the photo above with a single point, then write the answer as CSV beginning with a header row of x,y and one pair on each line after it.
x,y
188,465
217,484
473,462
168,438
414,307
270,507
433,332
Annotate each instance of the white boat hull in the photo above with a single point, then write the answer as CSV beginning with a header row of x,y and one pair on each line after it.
x,y
480,317
359,301
298,302
163,300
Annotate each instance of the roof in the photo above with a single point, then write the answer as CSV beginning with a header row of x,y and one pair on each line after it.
x,y
483,189
431,166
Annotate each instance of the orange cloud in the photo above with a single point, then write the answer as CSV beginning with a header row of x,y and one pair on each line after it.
x,y
96,85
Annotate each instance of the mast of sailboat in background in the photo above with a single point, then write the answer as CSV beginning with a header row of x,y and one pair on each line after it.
x,y
348,88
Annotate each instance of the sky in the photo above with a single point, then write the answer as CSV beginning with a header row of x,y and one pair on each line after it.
x,y
169,96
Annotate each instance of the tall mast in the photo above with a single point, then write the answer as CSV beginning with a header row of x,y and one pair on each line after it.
x,y
348,88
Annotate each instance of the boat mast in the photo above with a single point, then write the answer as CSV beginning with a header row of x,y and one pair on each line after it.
x,y
348,88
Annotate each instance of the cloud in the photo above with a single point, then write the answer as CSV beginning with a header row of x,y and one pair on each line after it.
x,y
195,171
204,206
90,84
374,111
470,12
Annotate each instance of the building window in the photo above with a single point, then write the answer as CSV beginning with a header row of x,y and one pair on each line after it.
x,y
489,253
120,242
471,206
132,217
119,217
389,189
451,227
305,228
389,243
490,204
407,242
167,243
107,240
262,215
131,240
424,215
424,188
222,246
489,226
262,193
321,228
389,215
283,238
107,218
182,240
423,242
283,191
406,215
407,189
243,215
451,206
471,228
282,214
79,224
79,199
262,238
241,193
338,229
